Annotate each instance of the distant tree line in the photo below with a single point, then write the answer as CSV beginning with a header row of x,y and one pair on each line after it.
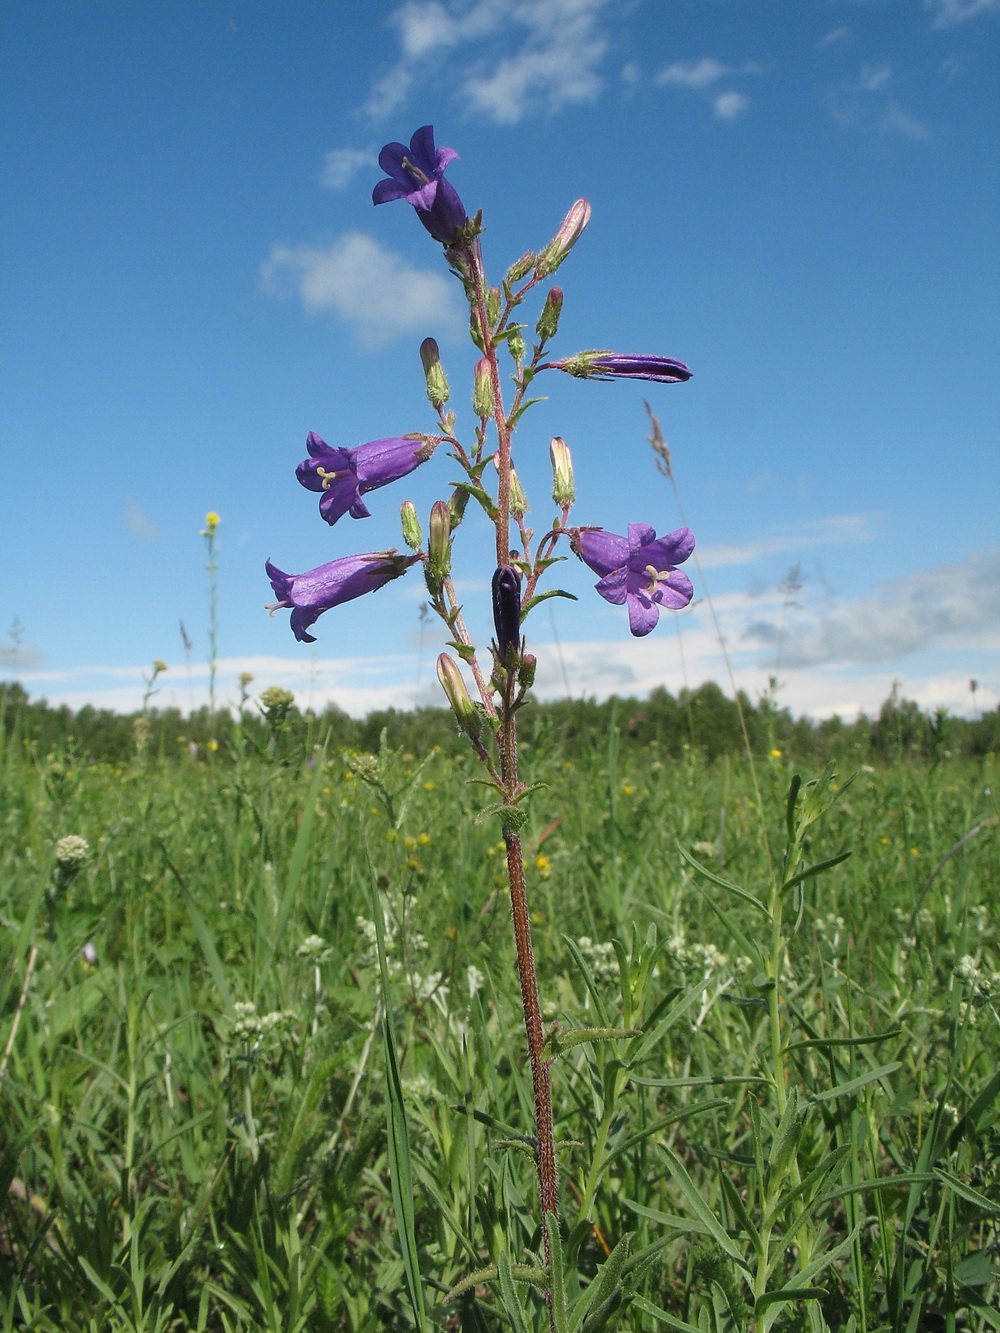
x,y
704,721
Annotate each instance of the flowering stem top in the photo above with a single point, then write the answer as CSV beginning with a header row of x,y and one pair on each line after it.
x,y
638,571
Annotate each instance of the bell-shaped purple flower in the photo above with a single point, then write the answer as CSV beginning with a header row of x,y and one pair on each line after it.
x,y
314,592
416,174
617,366
638,570
342,476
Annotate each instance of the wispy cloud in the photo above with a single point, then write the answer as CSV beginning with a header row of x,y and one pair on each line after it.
x,y
897,121
948,13
873,77
139,524
865,102
903,616
693,73
835,530
373,289
341,165
539,56
700,75
836,37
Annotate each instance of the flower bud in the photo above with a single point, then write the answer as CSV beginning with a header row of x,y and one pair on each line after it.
x,y
458,696
521,268
563,490
482,392
494,305
438,392
412,535
518,500
565,238
548,320
526,671
515,345
439,544
507,611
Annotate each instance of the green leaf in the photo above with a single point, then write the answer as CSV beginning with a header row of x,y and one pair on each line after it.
x,y
726,884
477,493
607,1281
823,1043
508,1293
556,1042
701,1209
697,1080
661,1316
557,1282
852,1085
811,871
532,602
967,1193
785,1295
515,417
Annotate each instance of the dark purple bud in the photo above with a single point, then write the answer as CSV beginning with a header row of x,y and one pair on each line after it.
x,y
616,365
507,611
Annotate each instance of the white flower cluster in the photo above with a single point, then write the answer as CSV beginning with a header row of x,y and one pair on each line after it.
x,y
600,958
72,851
315,948
256,1030
703,957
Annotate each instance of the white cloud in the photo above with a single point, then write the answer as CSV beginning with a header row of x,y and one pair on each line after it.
x,y
905,615
693,73
873,77
897,121
558,47
728,106
947,13
341,165
836,37
373,289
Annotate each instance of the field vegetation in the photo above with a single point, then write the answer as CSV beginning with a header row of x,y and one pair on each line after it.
x,y
207,1124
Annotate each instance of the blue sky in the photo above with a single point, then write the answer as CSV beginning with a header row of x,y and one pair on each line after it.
x,y
799,198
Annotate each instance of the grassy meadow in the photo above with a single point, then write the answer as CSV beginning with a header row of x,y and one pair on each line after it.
x,y
198,1131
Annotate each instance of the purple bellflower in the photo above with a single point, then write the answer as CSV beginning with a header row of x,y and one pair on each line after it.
x,y
342,476
617,366
416,174
314,592
638,570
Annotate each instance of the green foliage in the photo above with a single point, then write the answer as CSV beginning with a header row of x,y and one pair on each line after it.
x,y
776,1093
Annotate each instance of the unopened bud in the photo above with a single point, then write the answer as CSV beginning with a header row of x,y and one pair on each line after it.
x,y
521,268
548,320
515,345
507,611
482,391
439,545
565,238
526,671
458,696
518,500
412,535
563,490
493,306
438,392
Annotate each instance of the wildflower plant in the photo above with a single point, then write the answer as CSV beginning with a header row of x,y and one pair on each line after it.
x,y
486,688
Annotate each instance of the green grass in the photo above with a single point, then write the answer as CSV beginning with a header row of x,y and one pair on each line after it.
x,y
174,1159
